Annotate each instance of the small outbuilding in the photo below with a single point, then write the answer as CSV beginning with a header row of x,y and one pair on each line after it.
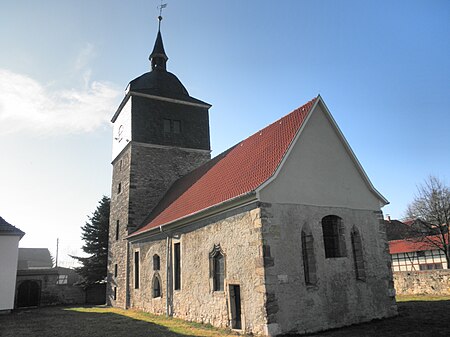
x,y
9,244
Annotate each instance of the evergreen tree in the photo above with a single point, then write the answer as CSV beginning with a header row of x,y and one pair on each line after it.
x,y
95,236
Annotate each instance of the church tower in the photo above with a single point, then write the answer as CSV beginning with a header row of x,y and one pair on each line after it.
x,y
160,133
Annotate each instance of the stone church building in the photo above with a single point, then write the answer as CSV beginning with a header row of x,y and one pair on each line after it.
x,y
281,233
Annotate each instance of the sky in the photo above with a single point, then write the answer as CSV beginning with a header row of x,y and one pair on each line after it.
x,y
382,67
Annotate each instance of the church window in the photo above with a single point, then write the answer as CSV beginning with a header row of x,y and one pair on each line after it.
x,y
136,270
115,293
115,270
333,236
177,266
119,188
62,279
156,262
358,257
117,229
309,261
156,286
217,268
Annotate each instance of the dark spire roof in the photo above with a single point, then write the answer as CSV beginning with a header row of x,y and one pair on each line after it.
x,y
158,57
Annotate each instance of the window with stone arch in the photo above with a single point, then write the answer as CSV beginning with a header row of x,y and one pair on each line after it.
x,y
217,268
333,236
358,255
156,286
156,262
309,259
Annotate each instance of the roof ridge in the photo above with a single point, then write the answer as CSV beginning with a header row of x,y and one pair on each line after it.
x,y
281,118
239,170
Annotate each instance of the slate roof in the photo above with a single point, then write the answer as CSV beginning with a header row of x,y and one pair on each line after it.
x,y
411,245
236,172
158,48
397,230
34,258
8,229
162,83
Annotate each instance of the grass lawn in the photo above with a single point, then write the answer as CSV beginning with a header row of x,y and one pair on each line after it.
x,y
98,321
418,316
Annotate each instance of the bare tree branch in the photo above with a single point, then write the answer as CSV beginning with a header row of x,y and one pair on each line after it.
x,y
431,206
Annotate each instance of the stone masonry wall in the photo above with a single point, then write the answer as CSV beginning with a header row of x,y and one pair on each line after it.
x,y
51,293
117,248
337,299
145,173
424,282
239,235
153,170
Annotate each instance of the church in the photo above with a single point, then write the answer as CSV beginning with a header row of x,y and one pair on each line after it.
x,y
281,233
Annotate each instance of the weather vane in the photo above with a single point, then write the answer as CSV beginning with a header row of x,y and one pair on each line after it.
x,y
160,7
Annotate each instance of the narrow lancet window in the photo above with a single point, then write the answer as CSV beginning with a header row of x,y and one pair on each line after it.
x,y
358,256
309,261
217,266
156,286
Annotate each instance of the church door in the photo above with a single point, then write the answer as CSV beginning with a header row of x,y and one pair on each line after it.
x,y
28,294
235,306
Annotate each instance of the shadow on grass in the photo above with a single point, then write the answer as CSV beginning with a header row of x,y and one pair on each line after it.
x,y
415,318
61,321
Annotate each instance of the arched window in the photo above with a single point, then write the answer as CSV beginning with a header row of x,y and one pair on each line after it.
x,y
358,257
333,236
156,286
217,268
156,262
309,260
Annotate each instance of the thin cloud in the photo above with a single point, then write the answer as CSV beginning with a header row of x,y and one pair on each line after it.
x,y
29,106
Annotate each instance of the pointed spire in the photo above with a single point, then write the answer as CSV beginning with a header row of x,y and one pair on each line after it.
x,y
158,57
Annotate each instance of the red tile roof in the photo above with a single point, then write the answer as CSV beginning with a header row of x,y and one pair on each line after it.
x,y
236,172
409,222
414,245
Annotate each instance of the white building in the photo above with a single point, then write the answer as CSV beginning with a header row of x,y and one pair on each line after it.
x,y
9,247
410,254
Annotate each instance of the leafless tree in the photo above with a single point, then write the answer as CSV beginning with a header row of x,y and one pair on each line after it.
x,y
431,206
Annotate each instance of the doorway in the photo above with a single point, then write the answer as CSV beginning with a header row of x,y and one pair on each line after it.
x,y
235,306
28,294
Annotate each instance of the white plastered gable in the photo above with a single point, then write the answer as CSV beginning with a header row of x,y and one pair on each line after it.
x,y
320,169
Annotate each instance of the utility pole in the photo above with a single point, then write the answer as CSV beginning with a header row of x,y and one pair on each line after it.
x,y
57,248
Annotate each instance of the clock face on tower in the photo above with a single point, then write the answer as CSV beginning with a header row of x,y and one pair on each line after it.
x,y
120,133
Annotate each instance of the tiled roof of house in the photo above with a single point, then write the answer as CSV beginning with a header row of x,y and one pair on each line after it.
x,y
8,229
234,173
414,244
